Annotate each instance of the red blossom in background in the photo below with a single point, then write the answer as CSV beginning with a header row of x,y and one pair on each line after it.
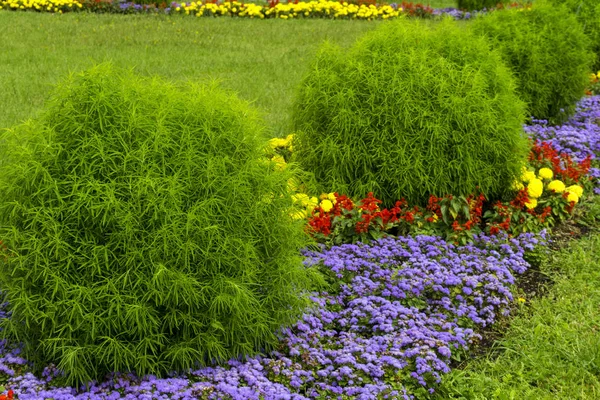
x,y
561,163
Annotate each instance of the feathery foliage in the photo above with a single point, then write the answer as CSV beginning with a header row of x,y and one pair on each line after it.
x,y
588,14
548,52
472,5
411,110
145,231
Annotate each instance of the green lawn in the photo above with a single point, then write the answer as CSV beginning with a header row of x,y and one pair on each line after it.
x,y
262,60
552,350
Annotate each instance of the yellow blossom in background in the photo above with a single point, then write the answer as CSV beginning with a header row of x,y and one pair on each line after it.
x,y
535,188
557,186
517,186
572,197
331,197
326,205
521,300
277,142
545,173
578,190
528,176
531,204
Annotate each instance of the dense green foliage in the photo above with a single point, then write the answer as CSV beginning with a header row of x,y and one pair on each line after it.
x,y
411,110
145,231
478,4
588,14
548,52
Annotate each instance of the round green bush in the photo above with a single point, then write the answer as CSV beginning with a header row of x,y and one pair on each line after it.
x,y
472,5
548,52
410,110
146,233
588,14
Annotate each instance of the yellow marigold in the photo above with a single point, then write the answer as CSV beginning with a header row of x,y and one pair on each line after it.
x,y
528,176
326,205
572,197
556,186
535,188
545,173
531,204
331,197
578,190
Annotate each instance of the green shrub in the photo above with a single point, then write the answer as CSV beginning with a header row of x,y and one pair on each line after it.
x,y
411,110
588,14
147,232
472,5
548,52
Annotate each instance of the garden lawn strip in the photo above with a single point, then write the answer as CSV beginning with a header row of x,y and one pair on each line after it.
x,y
262,61
551,350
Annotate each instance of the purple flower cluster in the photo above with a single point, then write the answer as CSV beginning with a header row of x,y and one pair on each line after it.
x,y
395,313
579,136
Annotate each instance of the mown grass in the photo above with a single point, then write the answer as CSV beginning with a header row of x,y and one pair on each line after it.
x,y
552,350
262,61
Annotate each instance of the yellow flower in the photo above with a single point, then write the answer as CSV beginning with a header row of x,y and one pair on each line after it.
x,y
535,188
572,197
578,190
326,205
521,300
545,173
528,176
331,197
531,204
557,186
277,142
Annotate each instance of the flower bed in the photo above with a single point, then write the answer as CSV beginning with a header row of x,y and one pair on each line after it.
x,y
395,314
274,9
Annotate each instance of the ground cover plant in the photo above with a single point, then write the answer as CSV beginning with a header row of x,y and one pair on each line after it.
x,y
410,110
548,52
144,232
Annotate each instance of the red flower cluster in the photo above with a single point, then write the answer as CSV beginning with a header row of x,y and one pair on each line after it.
x,y
416,10
561,163
8,396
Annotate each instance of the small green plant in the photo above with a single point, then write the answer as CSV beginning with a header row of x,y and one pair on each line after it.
x,y
411,110
548,52
145,231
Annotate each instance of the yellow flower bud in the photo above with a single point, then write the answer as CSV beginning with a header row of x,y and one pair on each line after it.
x,y
556,186
578,190
572,197
531,204
535,188
326,205
545,173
